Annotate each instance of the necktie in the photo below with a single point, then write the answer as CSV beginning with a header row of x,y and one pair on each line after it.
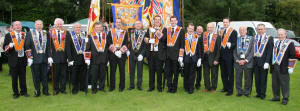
x,y
19,38
208,39
259,40
40,37
190,40
224,33
99,38
172,31
243,43
79,39
278,48
58,36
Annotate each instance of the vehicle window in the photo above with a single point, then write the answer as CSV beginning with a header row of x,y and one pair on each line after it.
x,y
250,31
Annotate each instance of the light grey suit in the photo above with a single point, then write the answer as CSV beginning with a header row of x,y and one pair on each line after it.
x,y
247,68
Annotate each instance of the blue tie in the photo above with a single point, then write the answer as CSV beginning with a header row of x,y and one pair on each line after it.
x,y
40,37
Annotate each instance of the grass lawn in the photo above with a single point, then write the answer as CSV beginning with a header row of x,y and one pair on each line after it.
x,y
142,100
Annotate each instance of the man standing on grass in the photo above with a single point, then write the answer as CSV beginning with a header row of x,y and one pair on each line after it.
x,y
14,47
283,63
243,62
137,53
199,32
210,55
228,43
36,46
76,45
156,50
118,54
191,59
263,45
175,53
98,47
57,56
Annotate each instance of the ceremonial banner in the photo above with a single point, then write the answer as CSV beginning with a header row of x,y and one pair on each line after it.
x,y
94,15
128,13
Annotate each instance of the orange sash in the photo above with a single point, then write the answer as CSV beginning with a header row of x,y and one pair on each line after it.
x,y
117,43
188,47
172,38
212,43
225,39
57,46
99,46
15,41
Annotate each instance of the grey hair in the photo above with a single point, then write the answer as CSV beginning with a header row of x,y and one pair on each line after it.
x,y
261,25
282,29
38,21
57,19
99,23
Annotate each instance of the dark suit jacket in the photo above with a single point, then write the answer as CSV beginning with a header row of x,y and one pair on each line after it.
x,y
112,56
209,58
71,52
142,49
98,57
12,55
290,53
249,54
37,58
173,52
196,56
162,45
267,55
58,56
227,53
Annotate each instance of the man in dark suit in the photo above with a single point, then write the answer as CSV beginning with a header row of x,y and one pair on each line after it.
x,y
191,59
98,46
76,45
283,63
14,47
137,53
263,45
199,32
36,46
118,54
57,55
210,54
228,43
156,53
243,57
175,52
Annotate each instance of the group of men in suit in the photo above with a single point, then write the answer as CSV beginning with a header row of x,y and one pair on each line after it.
x,y
167,49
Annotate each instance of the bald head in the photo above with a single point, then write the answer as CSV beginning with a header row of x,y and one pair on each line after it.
x,y
17,26
243,31
58,23
281,34
77,28
210,27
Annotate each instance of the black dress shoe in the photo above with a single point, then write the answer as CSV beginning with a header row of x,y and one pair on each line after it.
x,y
56,92
140,89
74,92
223,90
46,94
159,90
130,88
262,97
94,92
190,91
173,90
150,90
110,90
197,87
169,90
103,90
25,95
37,94
63,92
275,99
284,101
228,94
15,96
257,96
121,90
239,95
247,95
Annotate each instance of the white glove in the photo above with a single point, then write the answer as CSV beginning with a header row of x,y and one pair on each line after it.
x,y
140,57
50,61
228,44
88,62
29,62
181,64
128,53
180,59
86,39
71,63
118,54
151,41
152,30
107,63
266,66
11,45
291,70
199,62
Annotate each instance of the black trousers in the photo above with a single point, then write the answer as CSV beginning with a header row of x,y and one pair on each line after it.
x,y
261,75
18,73
198,76
189,75
241,71
172,67
280,82
78,77
60,72
40,76
210,76
113,67
227,74
98,76
133,64
155,66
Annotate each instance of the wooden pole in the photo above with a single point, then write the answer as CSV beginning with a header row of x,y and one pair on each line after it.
x,y
182,13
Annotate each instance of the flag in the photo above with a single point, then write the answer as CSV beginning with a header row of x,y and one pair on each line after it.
x,y
128,13
165,9
94,15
